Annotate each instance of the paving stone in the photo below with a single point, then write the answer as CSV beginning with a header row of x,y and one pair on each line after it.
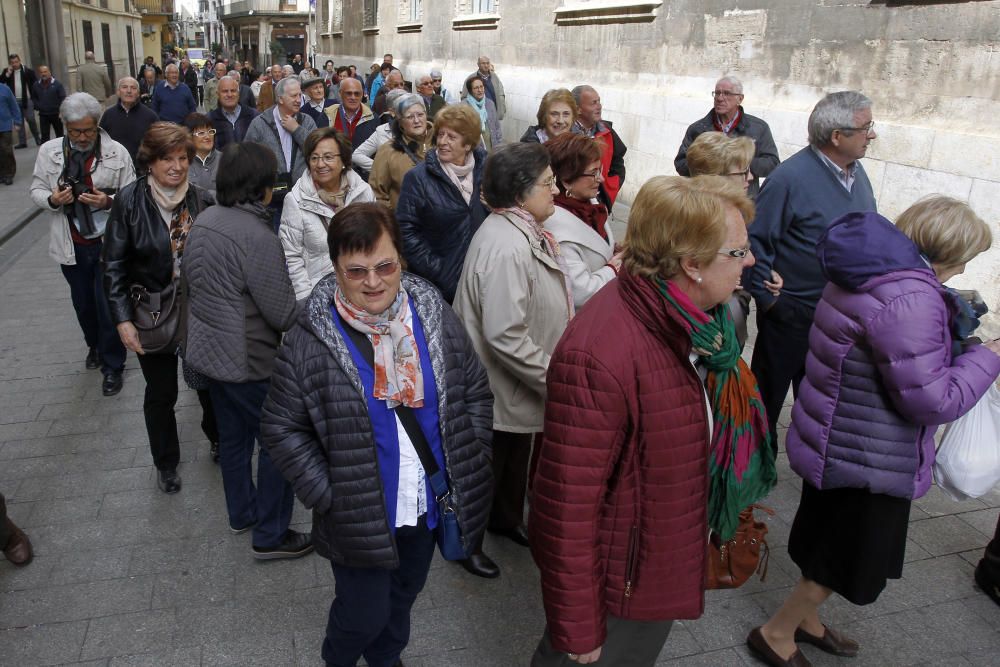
x,y
265,650
178,657
75,601
129,633
945,535
43,644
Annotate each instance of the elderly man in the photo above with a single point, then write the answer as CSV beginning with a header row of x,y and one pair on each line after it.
x,y
10,117
347,115
75,189
727,116
21,80
147,86
265,98
590,123
231,119
433,101
394,81
93,79
189,76
316,101
212,86
247,98
284,130
436,79
172,100
799,200
149,64
49,95
127,121
494,88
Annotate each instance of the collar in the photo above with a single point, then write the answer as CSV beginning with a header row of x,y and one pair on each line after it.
x,y
235,113
171,86
839,172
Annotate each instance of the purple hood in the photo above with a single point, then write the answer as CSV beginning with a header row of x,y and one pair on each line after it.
x,y
859,248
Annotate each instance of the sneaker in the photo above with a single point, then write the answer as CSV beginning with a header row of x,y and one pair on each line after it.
x,y
93,360
294,545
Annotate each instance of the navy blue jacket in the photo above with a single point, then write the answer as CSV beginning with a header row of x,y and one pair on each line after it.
x,y
322,120
173,104
48,98
435,222
225,133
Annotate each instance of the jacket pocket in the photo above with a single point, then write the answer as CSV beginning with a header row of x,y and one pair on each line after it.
x,y
631,561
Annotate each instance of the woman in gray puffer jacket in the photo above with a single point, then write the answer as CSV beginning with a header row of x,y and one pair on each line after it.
x,y
376,355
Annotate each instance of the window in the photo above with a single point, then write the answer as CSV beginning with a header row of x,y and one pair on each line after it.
x,y
88,35
579,12
476,14
335,19
370,17
410,16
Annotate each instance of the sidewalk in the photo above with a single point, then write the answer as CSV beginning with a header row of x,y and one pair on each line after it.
x,y
125,575
15,204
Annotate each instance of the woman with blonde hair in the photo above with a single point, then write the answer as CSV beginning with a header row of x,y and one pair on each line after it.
x,y
886,350
556,115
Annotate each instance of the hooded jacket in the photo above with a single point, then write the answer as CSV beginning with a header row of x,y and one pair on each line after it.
x,y
880,376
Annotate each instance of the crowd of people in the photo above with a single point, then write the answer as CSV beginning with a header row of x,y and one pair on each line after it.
x,y
426,329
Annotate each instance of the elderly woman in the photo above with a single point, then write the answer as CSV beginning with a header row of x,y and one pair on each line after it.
x,y
885,349
240,301
364,155
620,497
489,121
411,139
580,223
72,184
375,389
328,186
515,300
205,164
143,248
439,205
556,115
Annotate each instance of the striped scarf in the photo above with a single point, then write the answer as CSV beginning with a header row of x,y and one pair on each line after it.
x,y
742,463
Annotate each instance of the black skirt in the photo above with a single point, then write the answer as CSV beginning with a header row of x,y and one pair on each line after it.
x,y
850,540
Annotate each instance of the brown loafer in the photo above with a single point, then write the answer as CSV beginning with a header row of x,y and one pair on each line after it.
x,y
18,550
762,651
832,642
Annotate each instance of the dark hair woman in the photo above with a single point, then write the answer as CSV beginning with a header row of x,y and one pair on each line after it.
x,y
376,366
143,246
439,206
240,300
489,121
205,163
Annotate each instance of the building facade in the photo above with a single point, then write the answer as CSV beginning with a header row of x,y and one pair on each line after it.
x,y
112,29
931,67
156,28
266,31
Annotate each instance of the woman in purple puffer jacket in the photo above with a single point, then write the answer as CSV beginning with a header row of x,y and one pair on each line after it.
x,y
885,369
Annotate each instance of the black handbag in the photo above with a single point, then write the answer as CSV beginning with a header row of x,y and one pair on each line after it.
x,y
448,533
157,317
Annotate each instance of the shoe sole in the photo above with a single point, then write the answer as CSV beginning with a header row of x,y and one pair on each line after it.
x,y
275,555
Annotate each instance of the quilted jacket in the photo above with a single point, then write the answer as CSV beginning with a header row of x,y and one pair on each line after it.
x,y
880,376
618,514
316,428
240,298
435,222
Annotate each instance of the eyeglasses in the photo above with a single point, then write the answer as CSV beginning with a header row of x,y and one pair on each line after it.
x,y
866,128
742,174
89,132
204,133
328,158
348,93
547,183
596,174
738,253
436,80
382,270
724,93
414,117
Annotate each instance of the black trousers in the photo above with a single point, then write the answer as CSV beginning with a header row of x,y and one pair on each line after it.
x,y
511,457
8,163
160,373
45,122
86,290
779,354
370,615
6,527
628,644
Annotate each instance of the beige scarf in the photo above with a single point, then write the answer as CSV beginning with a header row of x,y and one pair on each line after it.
x,y
167,199
461,175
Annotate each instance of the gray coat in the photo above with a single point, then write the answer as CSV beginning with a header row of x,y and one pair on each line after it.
x,y
316,428
264,131
240,299
203,174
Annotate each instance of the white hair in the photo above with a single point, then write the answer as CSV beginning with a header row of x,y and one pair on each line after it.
x,y
736,84
78,106
836,111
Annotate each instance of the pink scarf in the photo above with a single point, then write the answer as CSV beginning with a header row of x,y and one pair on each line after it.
x,y
549,244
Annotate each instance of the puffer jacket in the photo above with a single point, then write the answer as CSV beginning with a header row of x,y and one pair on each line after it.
x,y
137,244
618,513
880,376
435,222
304,221
239,296
316,428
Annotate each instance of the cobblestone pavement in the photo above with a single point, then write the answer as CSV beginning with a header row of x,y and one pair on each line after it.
x,y
125,575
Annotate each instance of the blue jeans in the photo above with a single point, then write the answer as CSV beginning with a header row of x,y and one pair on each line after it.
x,y
86,290
370,615
237,412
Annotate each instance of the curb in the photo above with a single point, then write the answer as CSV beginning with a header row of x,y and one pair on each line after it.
x,y
18,225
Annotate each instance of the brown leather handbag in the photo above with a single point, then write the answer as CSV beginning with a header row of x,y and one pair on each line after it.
x,y
731,563
159,317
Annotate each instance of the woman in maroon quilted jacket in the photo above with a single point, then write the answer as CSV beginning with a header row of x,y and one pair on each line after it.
x,y
619,516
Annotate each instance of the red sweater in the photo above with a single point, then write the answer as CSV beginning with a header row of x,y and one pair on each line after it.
x,y
618,515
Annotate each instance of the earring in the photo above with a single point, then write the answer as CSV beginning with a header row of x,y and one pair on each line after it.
x,y
698,280
569,193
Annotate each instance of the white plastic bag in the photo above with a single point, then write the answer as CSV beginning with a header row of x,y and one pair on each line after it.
x,y
968,461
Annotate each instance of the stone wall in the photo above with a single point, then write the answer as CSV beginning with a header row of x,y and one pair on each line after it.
x,y
932,69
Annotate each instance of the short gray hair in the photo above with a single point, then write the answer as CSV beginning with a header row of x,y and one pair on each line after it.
x,y
834,112
172,66
279,88
406,101
732,81
124,79
78,106
580,90
233,74
393,95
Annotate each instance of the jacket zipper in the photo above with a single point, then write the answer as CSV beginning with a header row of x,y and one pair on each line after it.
x,y
633,550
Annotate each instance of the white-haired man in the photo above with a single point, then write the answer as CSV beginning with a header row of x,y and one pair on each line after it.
x,y
127,121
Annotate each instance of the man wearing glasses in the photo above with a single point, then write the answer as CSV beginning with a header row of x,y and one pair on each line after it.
x,y
127,121
798,201
727,116
346,116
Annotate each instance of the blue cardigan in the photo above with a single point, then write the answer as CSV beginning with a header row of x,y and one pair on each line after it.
x,y
173,104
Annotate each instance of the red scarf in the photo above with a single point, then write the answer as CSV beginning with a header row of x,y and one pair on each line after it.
x,y
595,215
732,126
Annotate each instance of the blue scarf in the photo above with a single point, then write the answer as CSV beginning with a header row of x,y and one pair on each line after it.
x,y
481,108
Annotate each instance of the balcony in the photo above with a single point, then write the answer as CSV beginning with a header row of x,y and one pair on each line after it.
x,y
146,7
265,8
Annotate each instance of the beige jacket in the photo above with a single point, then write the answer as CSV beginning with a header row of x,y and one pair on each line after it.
x,y
93,78
512,299
586,253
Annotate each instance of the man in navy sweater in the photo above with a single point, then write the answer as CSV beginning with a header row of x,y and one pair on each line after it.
x,y
48,94
798,201
172,100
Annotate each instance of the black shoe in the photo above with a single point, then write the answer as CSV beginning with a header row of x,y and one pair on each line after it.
x,y
990,586
93,361
518,534
294,545
8,181
481,565
213,449
113,381
168,481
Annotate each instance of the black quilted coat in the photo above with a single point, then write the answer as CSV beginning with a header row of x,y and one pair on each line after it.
x,y
316,428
